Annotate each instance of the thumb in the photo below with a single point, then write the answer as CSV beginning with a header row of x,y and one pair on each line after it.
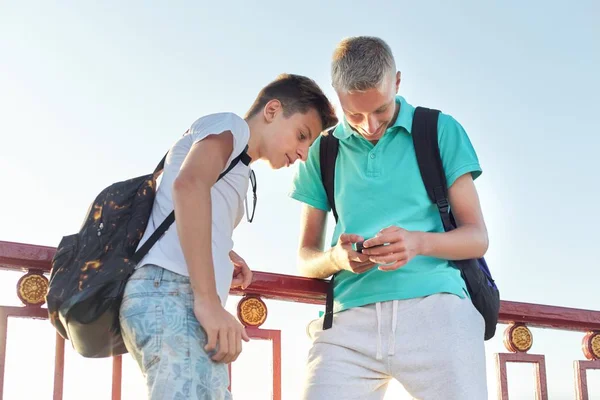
x,y
236,282
247,279
233,256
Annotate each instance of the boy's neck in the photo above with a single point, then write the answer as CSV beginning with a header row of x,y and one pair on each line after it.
x,y
255,139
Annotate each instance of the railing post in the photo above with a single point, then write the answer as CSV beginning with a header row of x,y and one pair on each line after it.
x,y
252,313
277,365
591,350
117,377
3,331
59,368
518,339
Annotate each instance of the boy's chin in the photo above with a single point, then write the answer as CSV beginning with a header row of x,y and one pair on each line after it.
x,y
275,165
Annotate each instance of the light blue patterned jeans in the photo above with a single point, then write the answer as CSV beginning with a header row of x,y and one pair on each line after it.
x,y
163,335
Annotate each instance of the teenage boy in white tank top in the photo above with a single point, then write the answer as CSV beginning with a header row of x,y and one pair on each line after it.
x,y
172,316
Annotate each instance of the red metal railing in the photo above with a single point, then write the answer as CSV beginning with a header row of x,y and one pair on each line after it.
x,y
35,261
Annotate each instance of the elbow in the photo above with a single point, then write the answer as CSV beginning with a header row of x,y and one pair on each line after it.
x,y
306,272
314,263
483,243
303,268
181,185
184,185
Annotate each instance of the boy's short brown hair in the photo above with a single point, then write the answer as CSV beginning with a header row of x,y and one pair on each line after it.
x,y
296,93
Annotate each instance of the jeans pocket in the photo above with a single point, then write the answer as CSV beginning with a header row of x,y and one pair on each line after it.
x,y
141,322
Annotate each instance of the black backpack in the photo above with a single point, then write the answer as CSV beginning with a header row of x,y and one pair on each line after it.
x,y
476,274
90,268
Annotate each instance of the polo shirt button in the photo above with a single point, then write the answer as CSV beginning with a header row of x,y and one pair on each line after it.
x,y
372,155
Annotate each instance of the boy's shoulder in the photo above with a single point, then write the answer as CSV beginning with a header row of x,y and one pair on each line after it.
x,y
220,117
217,123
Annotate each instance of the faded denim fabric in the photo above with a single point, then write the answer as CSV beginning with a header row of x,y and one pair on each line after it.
x,y
163,335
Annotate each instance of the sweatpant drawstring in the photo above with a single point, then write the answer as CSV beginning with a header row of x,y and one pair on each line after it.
x,y
379,356
392,348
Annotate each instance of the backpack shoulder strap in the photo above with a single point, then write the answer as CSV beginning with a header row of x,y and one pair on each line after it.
x,y
166,224
328,152
161,165
425,139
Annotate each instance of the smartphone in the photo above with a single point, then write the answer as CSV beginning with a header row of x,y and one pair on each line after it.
x,y
360,246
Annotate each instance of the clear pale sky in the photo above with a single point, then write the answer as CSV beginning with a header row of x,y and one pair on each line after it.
x,y
95,93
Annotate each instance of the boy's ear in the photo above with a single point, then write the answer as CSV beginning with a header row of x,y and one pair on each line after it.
x,y
271,109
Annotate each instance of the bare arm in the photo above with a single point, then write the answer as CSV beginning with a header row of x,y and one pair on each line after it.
x,y
193,208
313,261
470,238
316,263
193,211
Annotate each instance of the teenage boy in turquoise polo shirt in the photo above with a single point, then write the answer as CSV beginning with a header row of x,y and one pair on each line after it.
x,y
401,310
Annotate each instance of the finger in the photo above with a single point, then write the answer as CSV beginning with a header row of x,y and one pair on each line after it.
x,y
395,247
359,268
390,234
350,238
393,267
247,278
238,345
211,344
232,352
354,264
388,258
223,346
357,257
383,240
364,268
245,336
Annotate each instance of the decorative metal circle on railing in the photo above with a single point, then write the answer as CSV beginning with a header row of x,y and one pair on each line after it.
x,y
591,345
252,311
518,338
32,288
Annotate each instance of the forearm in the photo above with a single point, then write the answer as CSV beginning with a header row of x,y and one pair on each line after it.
x,y
315,263
464,242
193,212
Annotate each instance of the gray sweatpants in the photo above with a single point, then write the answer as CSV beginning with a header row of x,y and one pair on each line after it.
x,y
432,345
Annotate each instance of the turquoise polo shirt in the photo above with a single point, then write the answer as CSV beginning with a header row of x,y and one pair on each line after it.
x,y
380,185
